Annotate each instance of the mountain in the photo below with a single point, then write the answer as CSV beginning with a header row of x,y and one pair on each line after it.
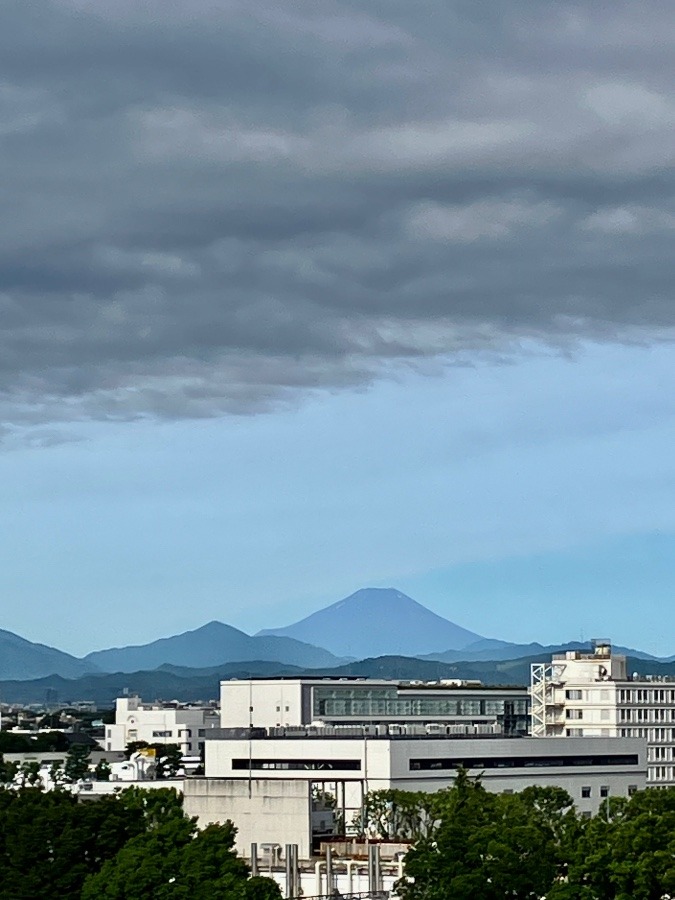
x,y
184,684
378,622
22,659
211,645
492,650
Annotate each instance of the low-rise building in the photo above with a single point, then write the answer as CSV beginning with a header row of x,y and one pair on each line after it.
x,y
589,769
158,723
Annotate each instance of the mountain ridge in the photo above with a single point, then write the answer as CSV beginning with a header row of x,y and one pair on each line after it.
x,y
214,643
24,659
176,683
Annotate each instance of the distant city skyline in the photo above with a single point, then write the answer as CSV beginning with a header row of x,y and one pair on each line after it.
x,y
297,299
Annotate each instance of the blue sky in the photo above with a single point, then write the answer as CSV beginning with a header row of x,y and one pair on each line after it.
x,y
533,500
299,298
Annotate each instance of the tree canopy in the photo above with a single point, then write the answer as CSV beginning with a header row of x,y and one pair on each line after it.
x,y
135,844
470,844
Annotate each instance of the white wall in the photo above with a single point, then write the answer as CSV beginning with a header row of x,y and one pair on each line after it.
x,y
274,702
135,721
265,811
386,763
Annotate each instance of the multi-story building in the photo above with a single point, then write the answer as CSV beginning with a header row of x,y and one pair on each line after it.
x,y
591,694
353,763
436,707
157,723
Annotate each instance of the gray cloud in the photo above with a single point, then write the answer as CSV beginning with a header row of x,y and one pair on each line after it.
x,y
215,207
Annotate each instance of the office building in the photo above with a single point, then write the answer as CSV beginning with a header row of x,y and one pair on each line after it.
x,y
591,694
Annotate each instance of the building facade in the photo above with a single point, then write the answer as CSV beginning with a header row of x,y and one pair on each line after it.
x,y
156,723
591,694
434,706
589,769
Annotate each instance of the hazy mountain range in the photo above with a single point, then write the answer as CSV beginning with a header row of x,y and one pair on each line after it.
x,y
371,624
212,644
192,684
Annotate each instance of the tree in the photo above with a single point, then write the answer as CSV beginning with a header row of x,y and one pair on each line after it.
x,y
174,861
49,842
168,760
485,846
8,771
102,770
627,852
77,763
396,815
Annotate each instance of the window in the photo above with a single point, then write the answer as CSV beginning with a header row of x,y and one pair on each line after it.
x,y
299,764
522,762
162,734
201,732
573,695
574,714
586,792
632,789
604,791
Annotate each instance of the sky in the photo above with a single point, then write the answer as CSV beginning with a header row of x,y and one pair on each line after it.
x,y
301,298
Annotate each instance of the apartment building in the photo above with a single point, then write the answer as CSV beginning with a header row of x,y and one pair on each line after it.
x,y
591,694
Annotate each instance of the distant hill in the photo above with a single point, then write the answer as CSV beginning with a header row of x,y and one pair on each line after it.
x,y
377,622
211,645
166,683
21,659
498,650
179,683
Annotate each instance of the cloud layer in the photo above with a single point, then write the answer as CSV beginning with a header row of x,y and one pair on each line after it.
x,y
214,206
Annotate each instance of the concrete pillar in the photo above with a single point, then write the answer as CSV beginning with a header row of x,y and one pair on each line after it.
x,y
329,870
374,874
288,857
254,860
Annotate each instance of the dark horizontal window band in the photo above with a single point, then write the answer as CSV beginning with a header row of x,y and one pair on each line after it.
x,y
319,765
526,762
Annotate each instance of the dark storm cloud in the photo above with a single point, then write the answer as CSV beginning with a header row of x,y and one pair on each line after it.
x,y
212,206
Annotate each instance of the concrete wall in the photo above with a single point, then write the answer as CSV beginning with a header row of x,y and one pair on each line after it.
x,y
275,812
267,703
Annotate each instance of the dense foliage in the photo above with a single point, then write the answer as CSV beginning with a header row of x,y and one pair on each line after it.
x,y
40,742
136,844
475,845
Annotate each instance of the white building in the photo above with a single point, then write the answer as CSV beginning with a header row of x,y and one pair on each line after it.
x,y
300,702
589,769
284,740
590,694
158,723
